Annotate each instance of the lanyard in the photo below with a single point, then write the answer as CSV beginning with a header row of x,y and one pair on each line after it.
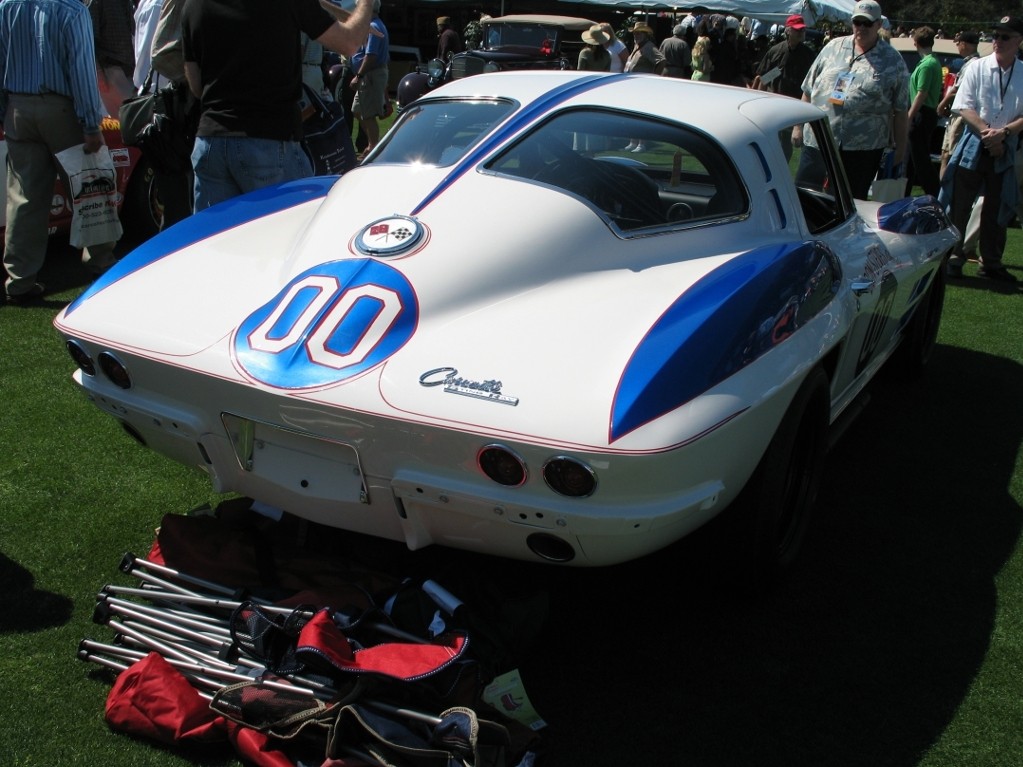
x,y
853,58
1004,86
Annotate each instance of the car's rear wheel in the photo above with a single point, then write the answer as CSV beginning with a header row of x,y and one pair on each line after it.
x,y
775,506
142,212
922,334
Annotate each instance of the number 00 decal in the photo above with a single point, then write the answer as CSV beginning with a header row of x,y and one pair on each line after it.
x,y
328,324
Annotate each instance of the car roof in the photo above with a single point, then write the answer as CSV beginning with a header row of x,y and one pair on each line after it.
x,y
667,97
942,46
573,23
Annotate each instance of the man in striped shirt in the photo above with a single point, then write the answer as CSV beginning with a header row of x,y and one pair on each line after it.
x,y
49,101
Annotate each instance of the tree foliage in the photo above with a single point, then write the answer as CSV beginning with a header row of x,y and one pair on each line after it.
x,y
950,15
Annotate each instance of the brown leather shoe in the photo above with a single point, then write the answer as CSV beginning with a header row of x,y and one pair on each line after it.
x,y
29,297
997,273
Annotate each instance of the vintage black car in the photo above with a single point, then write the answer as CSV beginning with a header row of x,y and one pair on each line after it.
x,y
516,42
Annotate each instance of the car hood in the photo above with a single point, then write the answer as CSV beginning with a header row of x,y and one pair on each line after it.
x,y
541,319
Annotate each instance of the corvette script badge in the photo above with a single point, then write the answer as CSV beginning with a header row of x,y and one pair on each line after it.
x,y
453,384
389,236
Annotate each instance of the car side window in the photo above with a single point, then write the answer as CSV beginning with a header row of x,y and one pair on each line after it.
x,y
819,180
675,176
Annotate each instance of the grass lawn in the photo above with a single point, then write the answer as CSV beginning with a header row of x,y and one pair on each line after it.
x,y
897,640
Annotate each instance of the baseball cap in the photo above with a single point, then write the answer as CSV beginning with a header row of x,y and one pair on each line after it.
x,y
867,9
795,21
1011,24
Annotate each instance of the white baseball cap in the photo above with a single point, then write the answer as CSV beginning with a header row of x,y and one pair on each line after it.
x,y
867,9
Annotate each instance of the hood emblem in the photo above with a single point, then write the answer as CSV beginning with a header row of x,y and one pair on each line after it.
x,y
389,236
489,390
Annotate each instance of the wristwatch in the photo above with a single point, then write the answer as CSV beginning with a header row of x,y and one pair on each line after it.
x,y
1006,131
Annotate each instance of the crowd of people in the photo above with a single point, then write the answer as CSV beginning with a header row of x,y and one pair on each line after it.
x,y
238,59
877,107
249,106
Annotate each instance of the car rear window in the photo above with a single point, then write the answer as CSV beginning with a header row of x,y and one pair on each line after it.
x,y
441,132
635,171
523,37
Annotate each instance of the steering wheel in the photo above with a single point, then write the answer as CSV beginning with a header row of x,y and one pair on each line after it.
x,y
680,211
630,196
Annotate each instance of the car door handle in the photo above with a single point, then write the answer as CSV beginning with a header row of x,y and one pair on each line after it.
x,y
862,285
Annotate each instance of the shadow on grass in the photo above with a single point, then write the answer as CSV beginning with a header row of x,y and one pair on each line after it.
x,y
861,656
64,270
23,607
970,279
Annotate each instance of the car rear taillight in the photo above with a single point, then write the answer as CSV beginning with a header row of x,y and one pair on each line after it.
x,y
502,465
569,476
115,370
81,358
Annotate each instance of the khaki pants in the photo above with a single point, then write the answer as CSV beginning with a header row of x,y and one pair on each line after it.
x,y
37,127
972,233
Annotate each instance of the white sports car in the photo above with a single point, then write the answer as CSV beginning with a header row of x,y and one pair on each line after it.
x,y
506,333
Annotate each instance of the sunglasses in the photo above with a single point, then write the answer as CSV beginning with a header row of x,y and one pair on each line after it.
x,y
863,23
1004,38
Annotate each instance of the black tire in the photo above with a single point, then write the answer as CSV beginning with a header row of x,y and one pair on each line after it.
x,y
922,333
142,212
775,506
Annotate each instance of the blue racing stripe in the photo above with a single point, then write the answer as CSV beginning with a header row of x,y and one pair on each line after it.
x,y
206,223
728,319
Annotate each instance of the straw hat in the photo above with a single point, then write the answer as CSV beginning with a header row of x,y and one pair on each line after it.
x,y
641,27
595,36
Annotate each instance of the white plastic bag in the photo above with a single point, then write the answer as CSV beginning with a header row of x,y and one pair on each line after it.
x,y
888,189
93,191
890,183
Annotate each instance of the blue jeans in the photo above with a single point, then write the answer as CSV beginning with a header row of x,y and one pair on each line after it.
x,y
227,166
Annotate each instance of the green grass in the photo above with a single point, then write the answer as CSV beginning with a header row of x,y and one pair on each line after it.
x,y
897,640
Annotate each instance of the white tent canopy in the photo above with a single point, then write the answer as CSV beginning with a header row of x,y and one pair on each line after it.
x,y
771,11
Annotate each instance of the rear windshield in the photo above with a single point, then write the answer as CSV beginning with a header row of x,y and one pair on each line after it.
x,y
523,36
441,132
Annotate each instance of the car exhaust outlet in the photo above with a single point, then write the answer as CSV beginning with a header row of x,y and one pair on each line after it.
x,y
550,547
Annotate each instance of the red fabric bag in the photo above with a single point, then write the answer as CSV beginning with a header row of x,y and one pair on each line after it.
x,y
322,645
153,700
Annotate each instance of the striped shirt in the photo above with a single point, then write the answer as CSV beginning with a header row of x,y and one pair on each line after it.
x,y
46,46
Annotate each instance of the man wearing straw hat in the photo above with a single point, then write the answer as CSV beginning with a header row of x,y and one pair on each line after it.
x,y
448,41
645,56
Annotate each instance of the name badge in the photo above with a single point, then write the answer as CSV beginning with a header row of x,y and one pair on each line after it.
x,y
842,86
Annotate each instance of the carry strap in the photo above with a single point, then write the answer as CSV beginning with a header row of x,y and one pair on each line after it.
x,y
147,84
314,100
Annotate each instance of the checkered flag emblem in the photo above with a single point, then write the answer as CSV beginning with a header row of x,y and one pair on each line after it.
x,y
384,231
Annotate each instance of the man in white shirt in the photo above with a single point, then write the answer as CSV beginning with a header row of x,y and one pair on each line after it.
x,y
990,101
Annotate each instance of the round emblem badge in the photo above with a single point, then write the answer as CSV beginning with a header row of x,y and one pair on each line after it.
x,y
389,236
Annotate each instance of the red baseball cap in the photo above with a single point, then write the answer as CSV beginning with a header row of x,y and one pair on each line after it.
x,y
795,21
